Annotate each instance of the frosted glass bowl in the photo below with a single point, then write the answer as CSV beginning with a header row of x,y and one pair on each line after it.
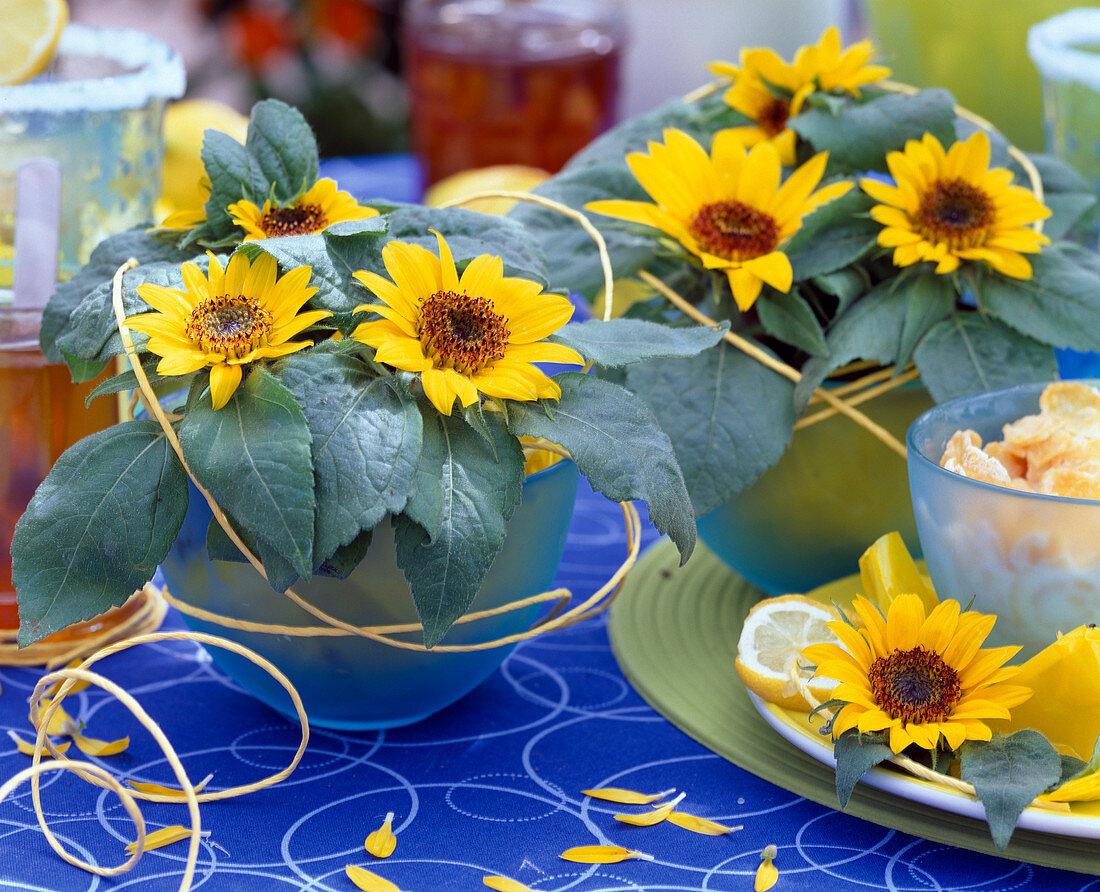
x,y
1034,560
351,682
835,490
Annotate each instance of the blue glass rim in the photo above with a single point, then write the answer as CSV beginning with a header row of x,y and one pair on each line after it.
x,y
915,454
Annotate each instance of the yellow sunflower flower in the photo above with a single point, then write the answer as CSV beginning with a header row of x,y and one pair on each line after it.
x,y
226,319
919,677
951,206
464,336
313,211
727,208
770,91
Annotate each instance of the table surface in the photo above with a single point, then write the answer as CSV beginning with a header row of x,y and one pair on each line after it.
x,y
489,786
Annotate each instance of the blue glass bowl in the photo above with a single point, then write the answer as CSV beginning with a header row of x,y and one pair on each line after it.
x,y
1034,560
834,491
350,682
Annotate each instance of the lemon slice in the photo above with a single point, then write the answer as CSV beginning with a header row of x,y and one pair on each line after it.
x,y
775,632
29,30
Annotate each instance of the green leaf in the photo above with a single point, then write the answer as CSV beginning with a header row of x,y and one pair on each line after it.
x,y
617,444
729,418
83,369
969,352
347,557
833,237
100,269
1059,305
1068,211
855,755
366,443
1007,773
928,299
883,124
253,456
426,500
283,149
788,318
281,574
127,380
620,342
334,260
479,495
233,176
846,285
97,527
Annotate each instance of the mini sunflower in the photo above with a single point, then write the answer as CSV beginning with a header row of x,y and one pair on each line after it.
x,y
313,211
727,208
226,319
919,677
951,206
464,336
770,91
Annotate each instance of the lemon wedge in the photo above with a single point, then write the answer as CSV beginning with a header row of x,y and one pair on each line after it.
x,y
772,639
29,30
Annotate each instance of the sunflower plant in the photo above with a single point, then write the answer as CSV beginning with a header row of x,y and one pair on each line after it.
x,y
327,367
913,679
836,221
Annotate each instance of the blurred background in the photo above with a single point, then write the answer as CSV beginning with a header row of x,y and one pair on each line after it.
x,y
539,78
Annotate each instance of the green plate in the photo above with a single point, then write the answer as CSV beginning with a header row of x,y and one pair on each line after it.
x,y
674,633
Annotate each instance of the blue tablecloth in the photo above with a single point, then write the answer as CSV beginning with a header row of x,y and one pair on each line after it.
x,y
490,786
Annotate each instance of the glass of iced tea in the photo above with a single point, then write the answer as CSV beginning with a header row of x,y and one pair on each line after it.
x,y
41,414
509,81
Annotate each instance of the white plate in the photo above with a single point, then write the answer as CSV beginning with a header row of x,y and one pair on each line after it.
x,y
792,727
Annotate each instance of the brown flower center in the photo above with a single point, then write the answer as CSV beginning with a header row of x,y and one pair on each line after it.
x,y
229,325
735,231
295,220
463,330
773,117
955,212
915,685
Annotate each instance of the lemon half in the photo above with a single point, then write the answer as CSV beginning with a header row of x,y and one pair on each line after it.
x,y
29,31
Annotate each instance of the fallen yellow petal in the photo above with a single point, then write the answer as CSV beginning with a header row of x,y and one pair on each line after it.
x,y
503,884
61,723
77,686
174,792
27,749
93,747
382,842
626,797
602,854
163,837
699,825
649,818
767,874
367,881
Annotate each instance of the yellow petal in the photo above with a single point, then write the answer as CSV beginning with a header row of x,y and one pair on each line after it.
x,y
27,749
61,723
503,884
367,881
163,837
382,841
601,855
626,797
174,792
649,818
766,874
699,825
93,747
52,690
224,379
